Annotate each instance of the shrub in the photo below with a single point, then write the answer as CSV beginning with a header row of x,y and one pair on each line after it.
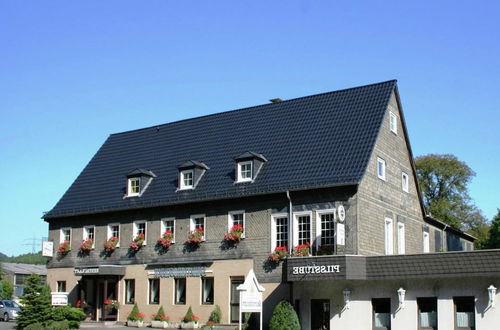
x,y
34,326
58,325
216,315
35,301
190,317
71,314
160,315
135,315
284,317
7,290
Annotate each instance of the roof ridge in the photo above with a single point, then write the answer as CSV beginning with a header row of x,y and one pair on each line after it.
x,y
254,107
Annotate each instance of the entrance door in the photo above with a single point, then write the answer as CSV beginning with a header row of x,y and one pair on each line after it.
x,y
320,314
235,299
108,290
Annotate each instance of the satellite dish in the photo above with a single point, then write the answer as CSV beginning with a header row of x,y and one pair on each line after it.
x,y
341,212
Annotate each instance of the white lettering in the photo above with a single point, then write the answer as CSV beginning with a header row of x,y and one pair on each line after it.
x,y
324,269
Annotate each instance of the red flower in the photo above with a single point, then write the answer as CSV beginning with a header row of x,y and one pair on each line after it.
x,y
78,303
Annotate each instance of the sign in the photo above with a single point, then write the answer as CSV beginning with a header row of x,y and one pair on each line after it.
x,y
341,212
340,234
251,296
324,269
47,249
59,298
86,271
180,272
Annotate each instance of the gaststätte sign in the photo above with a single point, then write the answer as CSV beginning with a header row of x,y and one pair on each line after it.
x,y
85,271
324,269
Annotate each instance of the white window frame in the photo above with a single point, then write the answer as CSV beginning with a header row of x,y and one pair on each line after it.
x,y
426,241
388,236
129,187
135,230
405,181
230,222
183,186
401,238
319,213
163,227
192,224
85,234
109,233
381,161
273,229
296,215
240,165
61,234
393,122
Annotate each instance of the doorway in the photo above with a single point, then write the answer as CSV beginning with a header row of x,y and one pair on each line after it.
x,y
94,291
320,314
235,299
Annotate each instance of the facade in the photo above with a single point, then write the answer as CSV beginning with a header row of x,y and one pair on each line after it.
x,y
329,177
16,273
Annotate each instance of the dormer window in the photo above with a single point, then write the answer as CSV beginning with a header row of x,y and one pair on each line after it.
x,y
244,171
248,166
190,174
138,181
186,179
134,186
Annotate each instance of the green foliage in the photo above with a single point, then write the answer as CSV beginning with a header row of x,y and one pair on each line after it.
x,y
35,301
216,314
58,325
35,326
284,317
67,313
494,233
189,317
28,258
159,315
133,316
3,257
7,290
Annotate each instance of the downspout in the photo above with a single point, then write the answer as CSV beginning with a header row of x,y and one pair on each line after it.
x,y
290,237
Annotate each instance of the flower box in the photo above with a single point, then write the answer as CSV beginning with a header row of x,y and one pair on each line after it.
x,y
160,324
189,325
64,248
110,245
234,234
135,324
278,254
195,237
302,250
87,245
165,240
137,243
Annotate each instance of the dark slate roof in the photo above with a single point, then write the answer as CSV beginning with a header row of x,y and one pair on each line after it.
x,y
193,163
310,142
249,154
140,171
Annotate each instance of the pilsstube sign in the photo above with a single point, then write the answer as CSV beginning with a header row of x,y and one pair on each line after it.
x,y
324,269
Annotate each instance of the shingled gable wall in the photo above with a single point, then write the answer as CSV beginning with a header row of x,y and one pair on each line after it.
x,y
379,199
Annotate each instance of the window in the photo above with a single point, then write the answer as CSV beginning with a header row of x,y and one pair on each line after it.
x,y
381,313
65,235
279,231
389,245
401,238
186,179
237,218
302,229
393,123
404,182
197,221
154,291
426,247
207,290
427,313
129,291
134,186
139,228
381,168
168,224
465,317
114,231
180,291
325,226
61,286
244,171
88,233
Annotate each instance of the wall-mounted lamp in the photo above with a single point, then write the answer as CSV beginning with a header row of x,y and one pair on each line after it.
x,y
401,296
347,298
492,291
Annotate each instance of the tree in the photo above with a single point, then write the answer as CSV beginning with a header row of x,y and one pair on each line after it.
x,y
494,239
7,290
35,301
284,317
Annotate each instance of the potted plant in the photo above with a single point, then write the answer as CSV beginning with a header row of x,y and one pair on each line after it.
x,y
160,320
214,318
234,234
189,321
302,250
279,253
135,318
195,237
138,242
166,239
87,245
64,248
110,245
325,250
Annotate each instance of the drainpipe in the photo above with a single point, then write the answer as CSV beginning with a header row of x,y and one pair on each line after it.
x,y
290,227
444,241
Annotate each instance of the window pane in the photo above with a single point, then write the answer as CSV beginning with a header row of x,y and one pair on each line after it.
x,y
381,313
141,228
154,291
427,308
188,178
61,286
327,229
208,290
304,226
180,290
465,314
282,231
199,223
237,219
129,291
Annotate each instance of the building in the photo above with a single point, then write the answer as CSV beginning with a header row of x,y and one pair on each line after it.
x,y
332,171
16,273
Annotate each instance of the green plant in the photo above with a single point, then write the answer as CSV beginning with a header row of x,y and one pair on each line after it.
x,y
190,317
35,301
135,315
301,250
216,315
279,253
7,290
284,317
195,237
160,315
72,314
58,325
35,326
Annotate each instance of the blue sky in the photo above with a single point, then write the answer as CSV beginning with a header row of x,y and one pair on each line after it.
x,y
71,73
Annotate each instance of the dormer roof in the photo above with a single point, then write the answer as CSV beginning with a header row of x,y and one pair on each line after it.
x,y
141,172
250,155
192,164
